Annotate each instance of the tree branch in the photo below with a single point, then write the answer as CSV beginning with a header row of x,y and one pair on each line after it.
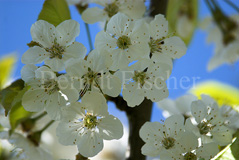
x,y
158,7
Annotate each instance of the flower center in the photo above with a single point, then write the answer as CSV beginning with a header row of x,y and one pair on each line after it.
x,y
56,51
51,86
123,42
155,45
190,156
204,127
111,9
90,121
90,76
139,77
168,142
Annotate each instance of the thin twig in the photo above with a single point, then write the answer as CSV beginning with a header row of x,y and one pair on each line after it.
x,y
89,36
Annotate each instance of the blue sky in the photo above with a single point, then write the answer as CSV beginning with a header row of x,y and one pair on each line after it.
x,y
17,16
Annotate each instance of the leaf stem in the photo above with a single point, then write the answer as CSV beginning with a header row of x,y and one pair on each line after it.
x,y
89,36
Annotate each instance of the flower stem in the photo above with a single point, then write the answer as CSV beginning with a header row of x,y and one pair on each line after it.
x,y
89,36
80,157
40,116
47,125
106,22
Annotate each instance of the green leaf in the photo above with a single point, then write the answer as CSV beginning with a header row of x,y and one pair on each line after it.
x,y
8,94
176,10
235,147
18,113
55,11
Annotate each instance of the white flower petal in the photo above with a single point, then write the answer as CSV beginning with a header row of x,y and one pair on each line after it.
x,y
133,8
93,15
149,129
95,103
174,47
188,142
156,89
175,125
28,72
110,85
75,50
35,55
67,133
97,61
222,135
190,127
150,150
199,110
72,112
104,41
184,103
138,51
207,151
54,106
77,68
67,31
160,70
67,88
159,27
34,100
55,64
118,24
120,60
133,94
140,32
43,33
159,57
90,144
110,128
45,73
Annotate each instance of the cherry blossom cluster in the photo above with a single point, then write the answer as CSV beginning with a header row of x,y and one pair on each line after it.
x,y
193,130
227,49
131,56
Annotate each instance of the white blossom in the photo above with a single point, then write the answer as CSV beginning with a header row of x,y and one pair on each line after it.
x,y
161,42
226,45
145,79
209,124
181,105
47,91
126,40
29,149
93,74
188,148
161,138
56,44
231,116
87,123
132,8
